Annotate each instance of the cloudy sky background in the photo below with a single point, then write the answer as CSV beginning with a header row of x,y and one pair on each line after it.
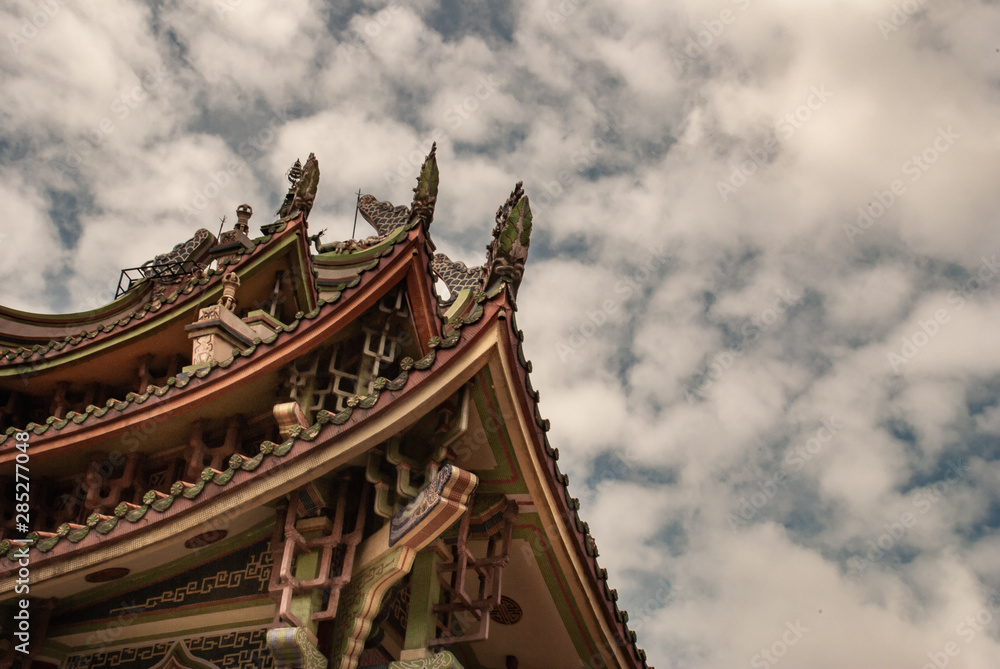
x,y
777,416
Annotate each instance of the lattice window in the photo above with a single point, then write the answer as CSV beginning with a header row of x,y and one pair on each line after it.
x,y
381,349
209,448
337,374
394,303
351,366
383,344
110,481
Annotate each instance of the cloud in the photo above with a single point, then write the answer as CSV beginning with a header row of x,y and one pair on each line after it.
x,y
751,217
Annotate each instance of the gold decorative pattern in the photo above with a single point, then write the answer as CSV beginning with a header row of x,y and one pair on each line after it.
x,y
257,569
507,611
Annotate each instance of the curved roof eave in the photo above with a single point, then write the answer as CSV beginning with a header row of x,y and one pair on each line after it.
x,y
82,429
61,336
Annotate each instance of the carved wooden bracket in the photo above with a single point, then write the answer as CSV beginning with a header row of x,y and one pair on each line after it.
x,y
489,569
289,543
295,647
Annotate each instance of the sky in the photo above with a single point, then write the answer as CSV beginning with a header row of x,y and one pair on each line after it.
x,y
762,290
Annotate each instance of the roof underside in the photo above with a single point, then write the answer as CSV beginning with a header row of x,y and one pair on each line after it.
x,y
469,342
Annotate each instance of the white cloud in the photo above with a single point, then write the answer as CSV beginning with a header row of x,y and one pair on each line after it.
x,y
641,131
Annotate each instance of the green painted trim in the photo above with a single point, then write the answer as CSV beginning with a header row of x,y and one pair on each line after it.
x,y
172,614
250,626
462,300
191,369
32,318
162,319
237,462
552,574
182,564
115,341
506,477
299,263
425,592
351,257
54,649
307,567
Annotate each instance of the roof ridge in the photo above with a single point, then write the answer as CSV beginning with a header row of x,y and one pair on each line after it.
x,y
45,541
572,503
181,379
8,356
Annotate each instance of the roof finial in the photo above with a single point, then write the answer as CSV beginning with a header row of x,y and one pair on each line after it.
x,y
230,282
302,191
507,253
425,194
294,173
243,214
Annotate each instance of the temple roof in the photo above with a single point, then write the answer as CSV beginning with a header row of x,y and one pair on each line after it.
x,y
129,310
477,319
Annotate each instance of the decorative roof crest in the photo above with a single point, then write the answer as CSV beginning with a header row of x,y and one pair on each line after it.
x,y
456,275
507,253
425,193
302,192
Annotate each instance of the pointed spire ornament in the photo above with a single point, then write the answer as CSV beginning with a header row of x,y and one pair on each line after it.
x,y
507,253
425,193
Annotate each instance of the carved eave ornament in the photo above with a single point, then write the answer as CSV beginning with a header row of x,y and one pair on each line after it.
x,y
304,180
507,253
386,218
425,193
